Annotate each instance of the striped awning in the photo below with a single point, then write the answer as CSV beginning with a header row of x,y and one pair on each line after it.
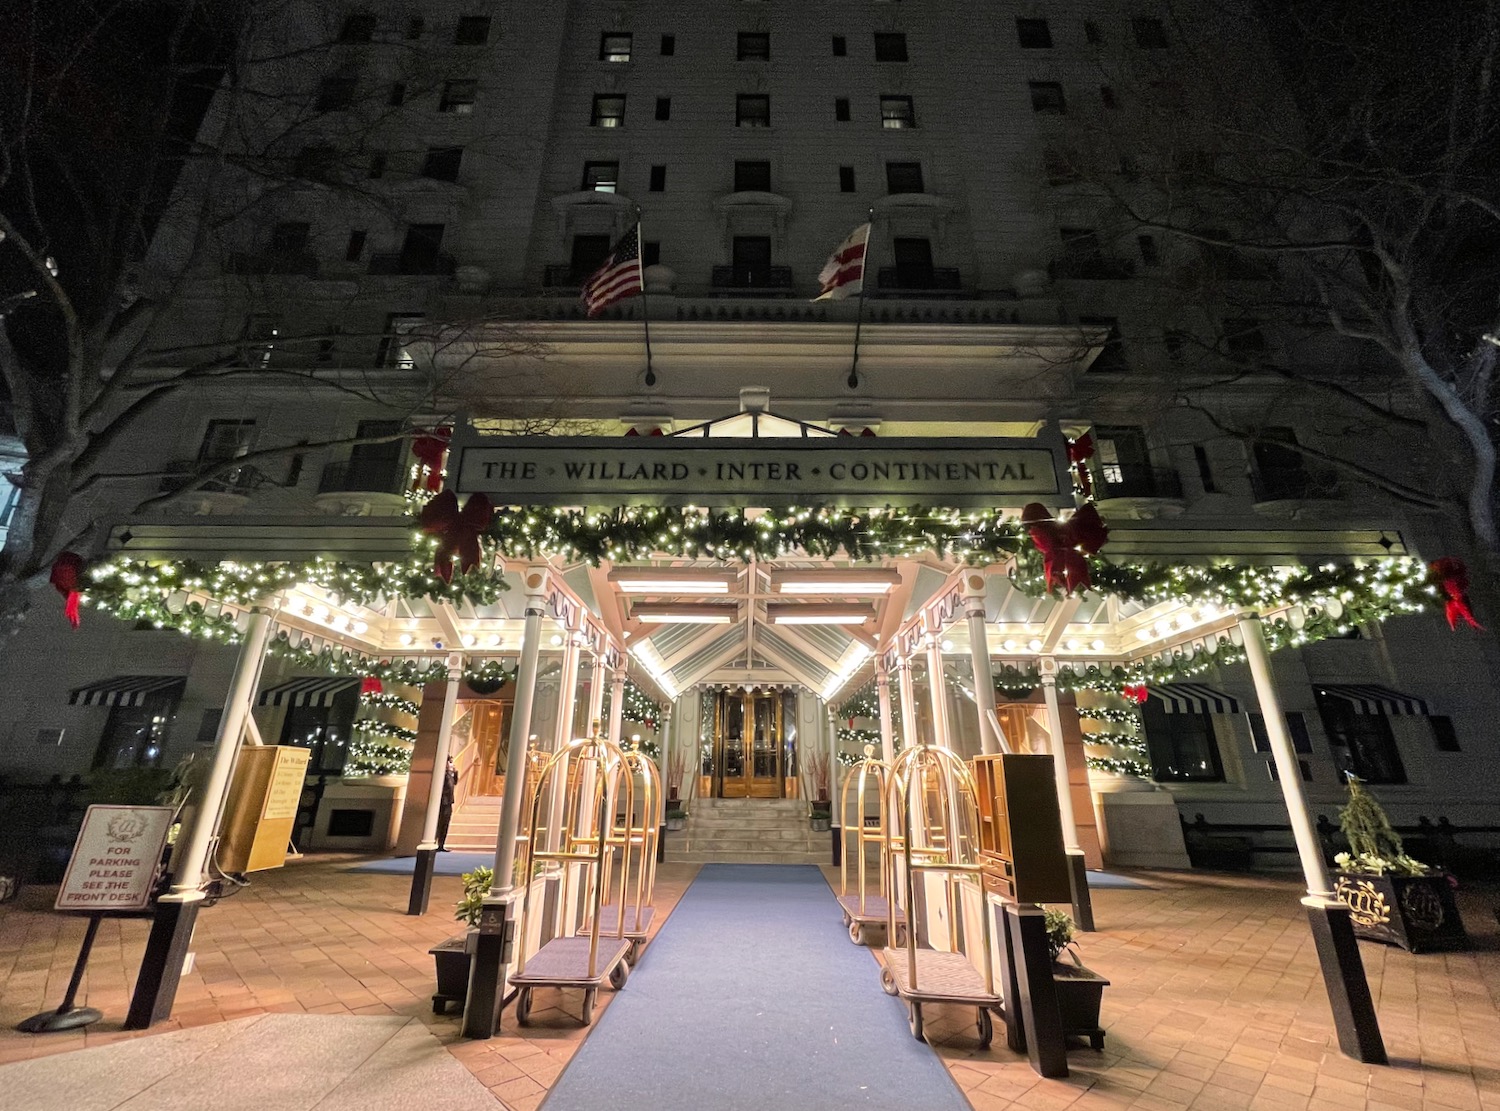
x,y
1193,698
1371,698
313,690
127,690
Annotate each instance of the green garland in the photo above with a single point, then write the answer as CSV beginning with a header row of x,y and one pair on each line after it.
x,y
377,728
367,757
1118,740
1122,766
640,707
1114,717
1012,682
394,702
646,746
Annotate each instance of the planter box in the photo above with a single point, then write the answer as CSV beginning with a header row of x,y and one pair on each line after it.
x,y
1417,913
452,957
821,825
676,823
1080,995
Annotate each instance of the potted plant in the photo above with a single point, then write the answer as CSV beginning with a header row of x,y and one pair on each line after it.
x,y
676,816
1391,897
453,956
1080,991
676,773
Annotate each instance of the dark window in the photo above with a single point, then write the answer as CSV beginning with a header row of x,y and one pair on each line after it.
x,y
1181,746
458,97
589,253
1149,33
356,246
1091,32
1080,245
897,112
609,111
1122,461
614,48
668,45
841,109
913,259
1296,728
1303,768
601,177
398,95
1033,34
890,46
1227,263
840,46
1444,736
651,252
421,251
327,348
227,439
1149,253
1363,743
442,163
378,467
1111,357
754,46
1205,472
316,164
1242,336
903,177
664,108
259,337
323,729
415,26
752,111
392,351
357,28
846,179
1060,166
752,177
752,260
133,735
1107,96
335,93
350,823
377,166
1280,469
1047,96
473,30
1175,340
290,238
658,179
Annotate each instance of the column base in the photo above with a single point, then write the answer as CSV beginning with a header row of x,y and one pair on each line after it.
x,y
1046,1044
1344,976
161,965
1078,879
493,953
421,880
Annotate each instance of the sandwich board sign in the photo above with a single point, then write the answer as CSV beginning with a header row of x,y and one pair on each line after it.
x,y
116,858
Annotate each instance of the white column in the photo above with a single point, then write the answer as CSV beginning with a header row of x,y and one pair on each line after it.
x,y
187,883
567,692
441,752
908,702
520,732
596,693
1059,756
1289,772
666,739
833,756
937,686
616,703
883,690
979,656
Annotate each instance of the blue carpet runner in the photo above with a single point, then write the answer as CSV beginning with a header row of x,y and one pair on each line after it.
x,y
752,997
445,864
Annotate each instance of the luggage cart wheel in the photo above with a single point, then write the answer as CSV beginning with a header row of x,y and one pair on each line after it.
x,y
856,932
916,1020
986,1028
847,919
523,1007
887,981
588,1005
618,975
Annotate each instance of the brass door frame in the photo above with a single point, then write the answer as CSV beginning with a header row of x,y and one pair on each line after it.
x,y
748,784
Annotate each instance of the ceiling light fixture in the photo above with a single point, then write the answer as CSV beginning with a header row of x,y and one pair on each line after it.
x,y
800,613
834,580
672,580
686,614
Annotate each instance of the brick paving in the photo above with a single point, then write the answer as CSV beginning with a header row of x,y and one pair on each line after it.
x,y
1215,1002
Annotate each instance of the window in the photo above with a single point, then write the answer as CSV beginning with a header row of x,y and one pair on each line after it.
x,y
1111,357
913,258
398,95
1243,337
1149,33
377,166
1091,33
392,351
133,735
1150,255
754,46
609,111
897,112
1130,169
840,46
1047,96
259,338
663,108
415,26
1205,471
1080,245
668,45
1444,736
316,164
890,46
356,245
1181,747
752,177
614,48
458,97
1362,743
1274,770
421,251
442,163
378,467
841,109
752,111
903,177
323,729
357,28
752,261
1280,469
1033,34
226,439
658,179
1296,728
1060,166
846,179
1122,460
651,252
601,177
335,93
1107,97
1229,264
589,253
1175,340
289,239
473,30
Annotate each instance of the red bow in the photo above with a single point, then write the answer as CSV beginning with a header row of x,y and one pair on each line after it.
x,y
458,531
1451,577
429,450
1136,692
370,685
1064,544
1080,451
66,569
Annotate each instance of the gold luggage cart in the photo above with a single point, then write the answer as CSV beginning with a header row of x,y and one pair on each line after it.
x,y
634,836
862,907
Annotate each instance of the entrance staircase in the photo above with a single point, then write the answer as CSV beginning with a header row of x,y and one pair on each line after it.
x,y
476,825
748,831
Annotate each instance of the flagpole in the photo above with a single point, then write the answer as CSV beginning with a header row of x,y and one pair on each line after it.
x,y
640,261
859,317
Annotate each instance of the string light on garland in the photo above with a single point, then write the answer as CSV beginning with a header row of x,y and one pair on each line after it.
x,y
369,757
374,727
1118,766
394,702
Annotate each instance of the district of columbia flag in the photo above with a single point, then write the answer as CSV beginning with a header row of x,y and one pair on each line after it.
x,y
844,273
618,278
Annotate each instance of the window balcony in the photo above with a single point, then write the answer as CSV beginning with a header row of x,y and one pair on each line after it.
x,y
918,281
1286,486
439,265
240,480
354,488
289,263
563,277
752,281
1140,495
1091,268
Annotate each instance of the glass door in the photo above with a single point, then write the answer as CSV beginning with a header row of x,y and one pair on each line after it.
x,y
749,753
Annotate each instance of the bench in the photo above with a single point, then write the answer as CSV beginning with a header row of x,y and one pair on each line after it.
x,y
1235,846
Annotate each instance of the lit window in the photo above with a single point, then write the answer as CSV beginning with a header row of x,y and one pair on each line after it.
x,y
609,111
752,111
601,177
897,112
458,97
614,48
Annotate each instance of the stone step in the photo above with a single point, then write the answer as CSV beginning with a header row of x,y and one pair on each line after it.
x,y
745,858
700,834
743,844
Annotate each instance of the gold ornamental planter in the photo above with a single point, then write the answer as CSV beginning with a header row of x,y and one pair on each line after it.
x,y
1417,913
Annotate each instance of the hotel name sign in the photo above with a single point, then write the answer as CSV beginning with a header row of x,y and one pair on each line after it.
x,y
849,471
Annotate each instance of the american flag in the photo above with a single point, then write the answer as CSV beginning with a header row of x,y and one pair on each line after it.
x,y
618,278
843,275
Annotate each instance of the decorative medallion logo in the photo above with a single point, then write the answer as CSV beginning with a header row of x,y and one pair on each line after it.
x,y
1367,905
126,827
1422,907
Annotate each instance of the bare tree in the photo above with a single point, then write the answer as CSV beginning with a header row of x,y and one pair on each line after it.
x,y
154,156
